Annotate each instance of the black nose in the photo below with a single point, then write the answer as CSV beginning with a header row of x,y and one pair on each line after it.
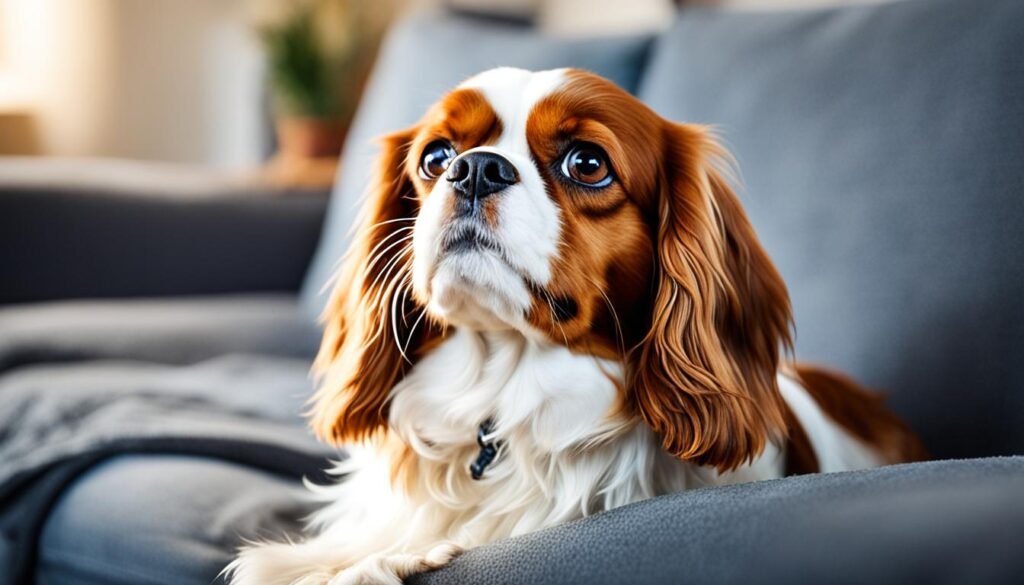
x,y
479,174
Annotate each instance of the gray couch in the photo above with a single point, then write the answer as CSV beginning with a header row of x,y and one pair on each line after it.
x,y
882,152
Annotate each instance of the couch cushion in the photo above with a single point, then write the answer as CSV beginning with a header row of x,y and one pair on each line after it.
x,y
423,57
881,150
162,520
938,522
169,330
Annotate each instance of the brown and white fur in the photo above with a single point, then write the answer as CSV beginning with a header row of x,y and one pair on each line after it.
x,y
625,339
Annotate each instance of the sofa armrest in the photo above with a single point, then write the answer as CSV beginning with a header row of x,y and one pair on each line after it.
x,y
179,330
933,522
120,229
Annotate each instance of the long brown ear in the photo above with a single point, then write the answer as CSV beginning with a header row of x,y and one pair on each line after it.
x,y
369,321
704,377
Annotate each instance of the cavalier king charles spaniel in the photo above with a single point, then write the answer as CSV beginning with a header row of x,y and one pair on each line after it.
x,y
554,306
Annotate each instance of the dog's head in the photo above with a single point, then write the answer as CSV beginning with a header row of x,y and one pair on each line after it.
x,y
557,205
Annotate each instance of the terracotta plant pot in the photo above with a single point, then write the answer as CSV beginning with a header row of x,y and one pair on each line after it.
x,y
309,137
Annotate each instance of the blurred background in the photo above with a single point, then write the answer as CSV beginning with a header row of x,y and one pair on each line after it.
x,y
228,84
178,179
193,82
160,149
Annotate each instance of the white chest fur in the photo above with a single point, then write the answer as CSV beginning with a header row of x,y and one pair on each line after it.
x,y
408,501
569,448
537,393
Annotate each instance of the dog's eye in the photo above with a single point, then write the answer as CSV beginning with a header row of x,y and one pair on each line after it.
x,y
587,165
436,158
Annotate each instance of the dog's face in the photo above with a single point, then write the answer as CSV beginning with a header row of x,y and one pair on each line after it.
x,y
525,217
557,205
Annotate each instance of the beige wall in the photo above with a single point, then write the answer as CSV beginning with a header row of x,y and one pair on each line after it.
x,y
57,63
188,79
596,17
175,80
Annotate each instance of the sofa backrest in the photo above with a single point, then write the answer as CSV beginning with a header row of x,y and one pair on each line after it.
x,y
882,152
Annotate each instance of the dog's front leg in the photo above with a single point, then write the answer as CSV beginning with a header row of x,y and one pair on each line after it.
x,y
324,561
392,568
369,534
310,562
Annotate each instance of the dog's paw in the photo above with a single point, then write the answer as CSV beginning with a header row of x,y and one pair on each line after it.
x,y
275,564
391,569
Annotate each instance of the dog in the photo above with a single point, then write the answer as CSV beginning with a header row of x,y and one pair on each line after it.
x,y
554,306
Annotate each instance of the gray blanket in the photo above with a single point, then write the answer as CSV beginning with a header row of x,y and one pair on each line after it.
x,y
57,420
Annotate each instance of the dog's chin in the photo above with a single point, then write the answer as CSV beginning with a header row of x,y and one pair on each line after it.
x,y
476,288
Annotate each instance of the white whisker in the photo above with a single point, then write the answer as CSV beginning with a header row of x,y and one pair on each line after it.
x,y
388,268
375,258
615,316
412,331
390,221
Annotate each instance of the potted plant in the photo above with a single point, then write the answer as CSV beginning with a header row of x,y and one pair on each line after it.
x,y
318,54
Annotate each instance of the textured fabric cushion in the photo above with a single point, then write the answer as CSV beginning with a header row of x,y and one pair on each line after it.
x,y
940,522
158,520
162,520
424,57
881,147
168,331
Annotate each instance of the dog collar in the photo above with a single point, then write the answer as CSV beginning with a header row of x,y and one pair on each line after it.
x,y
488,450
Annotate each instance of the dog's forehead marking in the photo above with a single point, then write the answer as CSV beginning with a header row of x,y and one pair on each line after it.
x,y
512,94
